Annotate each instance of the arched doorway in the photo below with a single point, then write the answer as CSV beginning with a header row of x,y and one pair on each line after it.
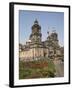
x,y
44,54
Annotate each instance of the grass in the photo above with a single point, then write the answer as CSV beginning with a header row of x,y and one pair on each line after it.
x,y
36,69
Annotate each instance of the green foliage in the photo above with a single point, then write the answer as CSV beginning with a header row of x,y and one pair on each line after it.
x,y
36,69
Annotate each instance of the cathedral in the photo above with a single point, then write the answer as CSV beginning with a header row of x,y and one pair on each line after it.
x,y
36,49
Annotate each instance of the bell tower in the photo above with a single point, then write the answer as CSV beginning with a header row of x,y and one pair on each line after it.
x,y
36,35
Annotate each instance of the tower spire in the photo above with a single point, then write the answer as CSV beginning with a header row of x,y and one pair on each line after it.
x,y
53,30
36,21
36,32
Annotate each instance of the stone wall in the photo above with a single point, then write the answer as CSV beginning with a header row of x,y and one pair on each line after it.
x,y
33,53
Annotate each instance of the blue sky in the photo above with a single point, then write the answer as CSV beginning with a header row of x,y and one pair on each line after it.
x,y
47,20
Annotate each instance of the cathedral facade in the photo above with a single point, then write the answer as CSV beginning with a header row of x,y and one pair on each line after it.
x,y
36,49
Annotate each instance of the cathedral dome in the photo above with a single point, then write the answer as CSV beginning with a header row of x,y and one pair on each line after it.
x,y
36,22
54,34
36,25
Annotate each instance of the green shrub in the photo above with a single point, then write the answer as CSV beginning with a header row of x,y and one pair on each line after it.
x,y
36,69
